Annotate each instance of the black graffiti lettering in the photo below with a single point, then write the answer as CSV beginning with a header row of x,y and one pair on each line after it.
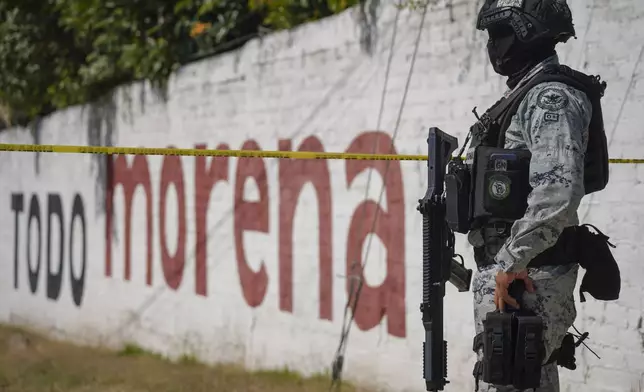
x,y
54,280
17,205
34,213
55,259
78,284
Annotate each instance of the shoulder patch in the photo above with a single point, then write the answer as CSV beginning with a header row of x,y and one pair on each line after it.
x,y
509,3
551,117
552,99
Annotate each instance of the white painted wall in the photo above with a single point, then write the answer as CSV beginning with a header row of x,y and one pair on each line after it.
x,y
317,80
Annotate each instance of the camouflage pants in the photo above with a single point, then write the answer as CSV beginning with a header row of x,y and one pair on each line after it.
x,y
553,300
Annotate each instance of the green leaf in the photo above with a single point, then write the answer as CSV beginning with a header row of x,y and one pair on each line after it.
x,y
58,53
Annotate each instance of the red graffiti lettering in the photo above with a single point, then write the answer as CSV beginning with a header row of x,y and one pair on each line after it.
x,y
386,220
129,178
388,298
172,173
293,175
251,216
205,180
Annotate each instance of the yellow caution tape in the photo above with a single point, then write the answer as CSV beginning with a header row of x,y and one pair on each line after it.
x,y
226,153
626,160
206,153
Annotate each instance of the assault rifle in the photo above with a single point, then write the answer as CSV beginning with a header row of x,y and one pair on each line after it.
x,y
439,265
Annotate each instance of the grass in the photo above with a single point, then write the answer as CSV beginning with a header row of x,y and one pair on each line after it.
x,y
32,363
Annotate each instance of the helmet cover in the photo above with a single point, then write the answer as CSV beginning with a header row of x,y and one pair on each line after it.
x,y
531,20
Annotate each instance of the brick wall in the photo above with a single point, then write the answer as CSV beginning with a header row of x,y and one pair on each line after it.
x,y
246,260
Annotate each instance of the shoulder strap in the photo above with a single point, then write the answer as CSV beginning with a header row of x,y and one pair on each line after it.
x,y
501,113
516,95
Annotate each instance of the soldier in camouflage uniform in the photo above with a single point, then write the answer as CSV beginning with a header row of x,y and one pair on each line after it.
x,y
552,123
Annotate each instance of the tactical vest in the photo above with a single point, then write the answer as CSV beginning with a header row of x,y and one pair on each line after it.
x,y
492,185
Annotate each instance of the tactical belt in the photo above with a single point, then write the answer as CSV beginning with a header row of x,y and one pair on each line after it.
x,y
562,253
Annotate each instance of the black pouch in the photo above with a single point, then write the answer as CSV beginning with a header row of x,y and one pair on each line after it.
x,y
566,353
498,348
528,354
602,279
457,190
512,345
501,182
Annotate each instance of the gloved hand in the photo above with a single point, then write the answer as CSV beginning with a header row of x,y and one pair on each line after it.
x,y
503,280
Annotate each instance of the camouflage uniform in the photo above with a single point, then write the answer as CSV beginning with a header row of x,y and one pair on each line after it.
x,y
552,122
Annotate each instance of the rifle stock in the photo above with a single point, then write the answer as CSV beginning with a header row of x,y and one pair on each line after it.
x,y
439,265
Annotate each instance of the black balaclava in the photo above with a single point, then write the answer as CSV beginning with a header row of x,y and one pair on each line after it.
x,y
513,58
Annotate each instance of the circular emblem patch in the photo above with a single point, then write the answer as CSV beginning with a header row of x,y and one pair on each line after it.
x,y
499,187
552,99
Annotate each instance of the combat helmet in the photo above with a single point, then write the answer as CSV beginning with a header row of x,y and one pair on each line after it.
x,y
531,20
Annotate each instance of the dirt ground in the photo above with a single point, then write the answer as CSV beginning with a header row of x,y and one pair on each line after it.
x,y
31,363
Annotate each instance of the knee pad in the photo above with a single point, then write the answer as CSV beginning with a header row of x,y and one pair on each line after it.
x,y
512,350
